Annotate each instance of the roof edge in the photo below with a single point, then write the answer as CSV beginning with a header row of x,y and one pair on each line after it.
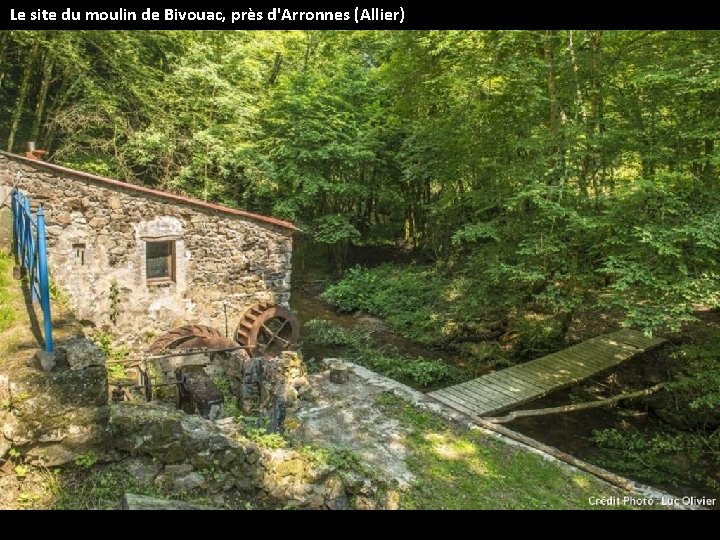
x,y
149,191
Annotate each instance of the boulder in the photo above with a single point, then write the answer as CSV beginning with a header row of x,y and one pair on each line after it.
x,y
80,354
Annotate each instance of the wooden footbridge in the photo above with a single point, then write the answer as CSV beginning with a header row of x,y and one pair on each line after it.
x,y
505,389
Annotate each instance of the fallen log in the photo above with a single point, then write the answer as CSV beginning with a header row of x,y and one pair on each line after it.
x,y
574,407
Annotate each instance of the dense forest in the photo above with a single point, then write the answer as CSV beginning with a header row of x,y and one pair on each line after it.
x,y
538,182
564,168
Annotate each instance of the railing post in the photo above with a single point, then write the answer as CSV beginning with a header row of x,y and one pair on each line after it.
x,y
23,228
43,280
19,227
30,251
13,204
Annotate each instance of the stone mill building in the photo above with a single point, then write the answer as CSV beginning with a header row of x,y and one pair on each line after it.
x,y
139,261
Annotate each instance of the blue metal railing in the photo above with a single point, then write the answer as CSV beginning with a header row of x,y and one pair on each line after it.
x,y
31,251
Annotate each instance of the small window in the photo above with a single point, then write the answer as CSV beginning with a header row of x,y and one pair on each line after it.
x,y
79,252
160,261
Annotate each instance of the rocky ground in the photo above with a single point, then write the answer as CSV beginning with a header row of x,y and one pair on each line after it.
x,y
346,416
428,456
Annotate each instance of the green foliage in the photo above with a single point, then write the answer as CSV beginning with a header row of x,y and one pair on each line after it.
x,y
537,336
114,297
103,486
422,371
475,232
353,292
334,229
656,457
230,403
698,385
7,313
7,317
86,460
253,428
21,471
56,293
324,332
559,168
386,360
115,371
267,440
106,342
412,300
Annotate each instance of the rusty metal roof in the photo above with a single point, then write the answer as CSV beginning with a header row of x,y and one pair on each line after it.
x,y
149,191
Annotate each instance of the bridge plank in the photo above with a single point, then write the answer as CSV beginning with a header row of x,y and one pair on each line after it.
x,y
507,388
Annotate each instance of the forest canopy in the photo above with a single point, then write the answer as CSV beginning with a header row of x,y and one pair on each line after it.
x,y
562,169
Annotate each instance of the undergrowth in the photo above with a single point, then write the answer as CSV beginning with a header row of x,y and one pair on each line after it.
x,y
387,360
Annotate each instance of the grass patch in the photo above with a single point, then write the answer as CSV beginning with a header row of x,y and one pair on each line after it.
x,y
460,469
7,311
102,488
87,485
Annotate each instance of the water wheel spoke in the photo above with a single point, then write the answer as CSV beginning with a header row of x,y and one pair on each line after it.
x,y
284,341
269,333
285,322
275,335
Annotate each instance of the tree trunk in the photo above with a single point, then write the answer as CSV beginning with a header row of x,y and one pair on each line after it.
x,y
275,71
130,501
339,373
4,38
598,105
585,161
554,113
42,98
22,97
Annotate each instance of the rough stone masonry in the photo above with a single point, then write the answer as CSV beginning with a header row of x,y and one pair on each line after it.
x,y
98,232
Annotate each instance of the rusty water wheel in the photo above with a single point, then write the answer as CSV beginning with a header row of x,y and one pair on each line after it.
x,y
267,329
191,336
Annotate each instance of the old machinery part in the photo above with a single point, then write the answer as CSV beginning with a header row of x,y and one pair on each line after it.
x,y
191,336
266,329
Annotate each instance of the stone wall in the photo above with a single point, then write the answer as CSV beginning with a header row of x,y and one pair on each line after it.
x,y
97,232
192,454
55,414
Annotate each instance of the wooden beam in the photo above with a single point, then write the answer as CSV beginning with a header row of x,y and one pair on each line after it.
x,y
131,501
